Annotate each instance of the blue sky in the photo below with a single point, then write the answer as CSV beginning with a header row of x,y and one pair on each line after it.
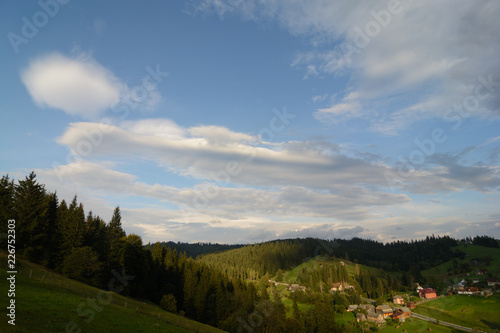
x,y
241,121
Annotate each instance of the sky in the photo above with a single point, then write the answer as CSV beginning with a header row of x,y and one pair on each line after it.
x,y
236,121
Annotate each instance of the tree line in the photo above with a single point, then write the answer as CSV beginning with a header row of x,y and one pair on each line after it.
x,y
62,237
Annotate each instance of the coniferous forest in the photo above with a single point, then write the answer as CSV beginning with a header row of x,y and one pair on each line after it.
x,y
220,285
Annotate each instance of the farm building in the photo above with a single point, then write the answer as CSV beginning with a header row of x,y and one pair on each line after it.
x,y
428,293
398,299
384,309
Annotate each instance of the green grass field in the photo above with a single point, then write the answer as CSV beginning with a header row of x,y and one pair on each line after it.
x,y
417,325
52,305
469,311
411,325
291,275
473,251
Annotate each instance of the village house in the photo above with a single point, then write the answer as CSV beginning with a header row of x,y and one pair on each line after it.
x,y
375,317
468,291
337,287
492,282
360,317
384,309
486,292
474,281
352,307
482,271
411,305
401,314
398,299
367,307
402,311
427,293
295,287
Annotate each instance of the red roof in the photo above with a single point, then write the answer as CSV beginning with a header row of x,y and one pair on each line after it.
x,y
428,290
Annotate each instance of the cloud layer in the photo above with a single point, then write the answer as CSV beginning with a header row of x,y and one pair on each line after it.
x,y
241,183
409,60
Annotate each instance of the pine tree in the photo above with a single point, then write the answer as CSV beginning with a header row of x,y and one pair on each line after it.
x,y
30,209
116,241
52,247
71,224
133,259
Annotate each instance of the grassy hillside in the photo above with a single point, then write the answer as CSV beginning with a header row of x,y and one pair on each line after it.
x,y
291,275
442,273
48,302
417,325
469,311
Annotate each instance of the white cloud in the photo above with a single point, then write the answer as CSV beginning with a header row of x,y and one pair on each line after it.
x,y
76,86
163,128
220,135
426,55
219,153
80,86
339,112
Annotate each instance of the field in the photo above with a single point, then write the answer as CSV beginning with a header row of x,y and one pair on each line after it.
x,y
291,275
472,251
411,325
57,304
416,325
469,311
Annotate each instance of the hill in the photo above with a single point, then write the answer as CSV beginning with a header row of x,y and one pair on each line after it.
x,y
48,302
193,250
474,258
410,258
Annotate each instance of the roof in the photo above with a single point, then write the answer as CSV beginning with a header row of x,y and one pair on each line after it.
x,y
384,307
404,309
398,296
428,291
373,314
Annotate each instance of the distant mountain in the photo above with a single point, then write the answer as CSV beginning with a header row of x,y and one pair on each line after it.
x,y
254,261
195,249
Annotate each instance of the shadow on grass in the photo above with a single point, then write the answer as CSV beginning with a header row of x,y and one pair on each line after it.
x,y
490,324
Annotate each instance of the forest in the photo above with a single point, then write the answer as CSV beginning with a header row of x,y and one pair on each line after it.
x,y
225,286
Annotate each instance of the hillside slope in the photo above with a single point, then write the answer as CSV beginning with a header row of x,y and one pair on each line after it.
x,y
48,302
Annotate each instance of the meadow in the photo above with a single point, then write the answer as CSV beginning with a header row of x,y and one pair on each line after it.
x,y
469,311
49,302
